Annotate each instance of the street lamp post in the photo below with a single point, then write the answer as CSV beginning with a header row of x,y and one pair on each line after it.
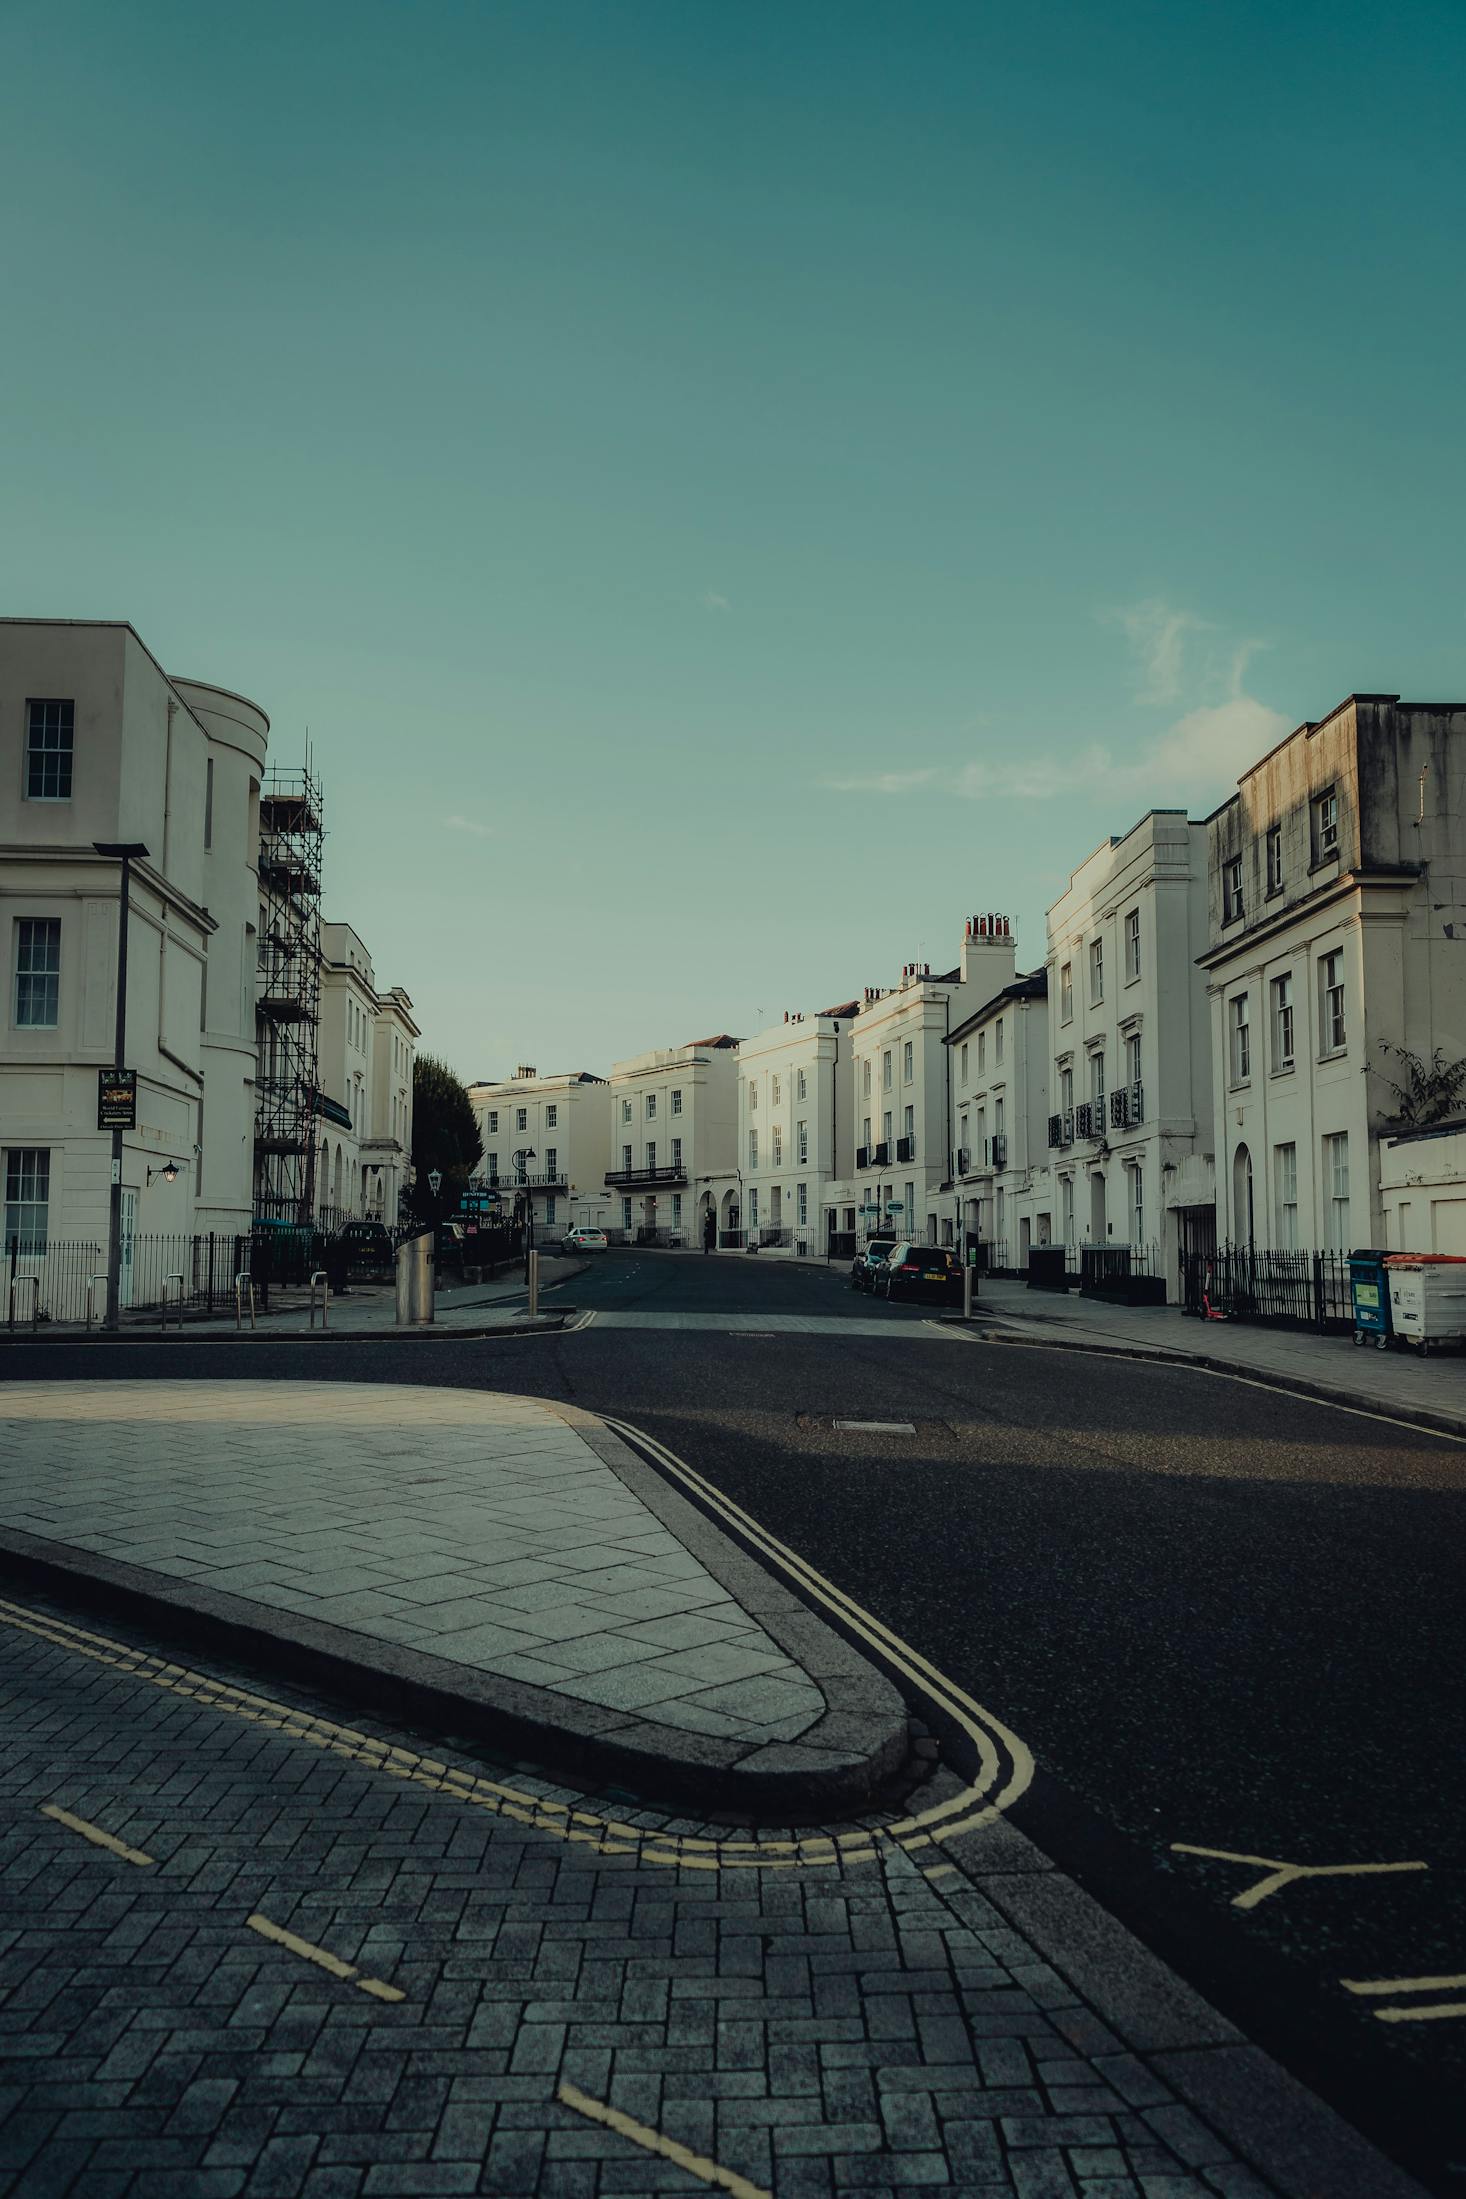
x,y
521,1161
125,853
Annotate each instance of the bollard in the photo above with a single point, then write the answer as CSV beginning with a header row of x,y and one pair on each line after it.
x,y
967,1292
181,1281
320,1276
243,1283
415,1281
534,1285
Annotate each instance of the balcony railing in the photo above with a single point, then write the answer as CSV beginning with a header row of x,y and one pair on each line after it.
x,y
964,1159
998,1151
628,1179
1084,1122
906,1149
1127,1106
1061,1130
862,1156
535,1179
880,1156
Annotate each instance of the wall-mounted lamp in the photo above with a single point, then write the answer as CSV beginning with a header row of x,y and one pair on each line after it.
x,y
168,1172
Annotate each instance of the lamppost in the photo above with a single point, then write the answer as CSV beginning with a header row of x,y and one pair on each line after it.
x,y
125,853
521,1160
435,1185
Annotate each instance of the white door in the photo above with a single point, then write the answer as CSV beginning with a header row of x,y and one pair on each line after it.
x,y
125,1240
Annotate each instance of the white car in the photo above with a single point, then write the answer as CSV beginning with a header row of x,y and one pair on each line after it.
x,y
583,1240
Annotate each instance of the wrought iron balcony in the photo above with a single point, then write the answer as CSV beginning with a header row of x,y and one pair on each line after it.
x,y
1127,1106
647,1179
906,1149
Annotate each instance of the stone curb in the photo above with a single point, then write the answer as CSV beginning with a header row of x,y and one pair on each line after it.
x,y
829,1773
1171,1355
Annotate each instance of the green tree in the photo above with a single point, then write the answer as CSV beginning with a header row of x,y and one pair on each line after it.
x,y
444,1136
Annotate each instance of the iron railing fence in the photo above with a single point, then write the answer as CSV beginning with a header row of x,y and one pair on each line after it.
x,y
1309,1289
66,1279
732,1240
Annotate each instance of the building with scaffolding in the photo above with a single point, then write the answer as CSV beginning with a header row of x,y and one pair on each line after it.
x,y
288,995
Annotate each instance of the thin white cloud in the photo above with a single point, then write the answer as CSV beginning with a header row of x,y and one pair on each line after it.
x,y
712,601
469,824
1157,633
883,782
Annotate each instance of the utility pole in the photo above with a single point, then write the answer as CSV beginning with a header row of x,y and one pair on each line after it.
x,y
125,852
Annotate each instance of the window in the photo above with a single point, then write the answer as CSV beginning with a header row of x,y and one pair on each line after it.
x,y
886,1071
651,1152
1132,944
964,1143
550,1208
753,1206
1336,1191
982,1052
909,1210
37,973
676,1209
801,1088
1331,1034
1282,1020
1096,972
1275,859
1066,1208
1241,1040
552,1160
1097,1079
552,1118
209,803
1137,1205
626,1110
776,1146
493,1165
753,1149
803,1198
998,1041
906,1063
999,1116
1232,890
626,1158
1066,1091
626,1214
493,1118
886,1126
865,1134
651,1106
776,1092
1325,826
801,1142
676,1152
962,1063
1285,1188
27,1196
865,1078
521,1118
1066,992
752,1097
48,735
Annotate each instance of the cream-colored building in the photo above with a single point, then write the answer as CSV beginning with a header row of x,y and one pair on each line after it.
x,y
794,1132
998,1061
1130,1091
99,744
1336,939
673,1143
368,1042
561,1124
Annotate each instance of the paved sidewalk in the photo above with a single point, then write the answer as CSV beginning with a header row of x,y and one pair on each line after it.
x,y
1330,1366
511,1556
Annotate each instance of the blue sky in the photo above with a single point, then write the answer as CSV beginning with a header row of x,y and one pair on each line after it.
x,y
733,490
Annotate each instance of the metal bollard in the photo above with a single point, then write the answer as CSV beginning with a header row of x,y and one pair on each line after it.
x,y
18,1282
92,1281
415,1281
243,1283
534,1285
179,1280
320,1276
967,1292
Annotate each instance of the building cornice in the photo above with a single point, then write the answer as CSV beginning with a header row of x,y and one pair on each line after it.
x,y
1343,888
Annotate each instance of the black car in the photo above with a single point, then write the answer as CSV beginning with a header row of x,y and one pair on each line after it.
x,y
862,1267
367,1245
921,1271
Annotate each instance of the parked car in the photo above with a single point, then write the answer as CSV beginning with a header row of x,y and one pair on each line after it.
x,y
864,1265
366,1244
583,1240
449,1244
921,1271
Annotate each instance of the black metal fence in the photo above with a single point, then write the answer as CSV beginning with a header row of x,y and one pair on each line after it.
x,y
1252,1283
66,1279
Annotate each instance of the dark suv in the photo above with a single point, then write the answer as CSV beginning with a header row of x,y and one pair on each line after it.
x,y
862,1267
922,1271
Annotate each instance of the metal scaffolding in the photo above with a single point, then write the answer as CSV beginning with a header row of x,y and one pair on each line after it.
x,y
288,995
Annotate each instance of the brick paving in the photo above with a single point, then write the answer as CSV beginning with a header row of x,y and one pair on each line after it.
x,y
817,2029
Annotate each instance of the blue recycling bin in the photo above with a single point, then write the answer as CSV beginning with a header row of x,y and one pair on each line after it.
x,y
1370,1292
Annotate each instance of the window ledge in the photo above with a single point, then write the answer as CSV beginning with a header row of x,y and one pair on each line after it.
x,y
1288,1069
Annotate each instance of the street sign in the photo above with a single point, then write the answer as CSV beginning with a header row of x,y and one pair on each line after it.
x,y
117,1099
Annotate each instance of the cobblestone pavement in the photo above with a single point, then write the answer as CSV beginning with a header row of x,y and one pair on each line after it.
x,y
809,2027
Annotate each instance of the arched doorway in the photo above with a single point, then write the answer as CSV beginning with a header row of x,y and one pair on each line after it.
x,y
1243,1230
730,1220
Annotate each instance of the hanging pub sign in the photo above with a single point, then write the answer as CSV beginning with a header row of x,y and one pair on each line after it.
x,y
117,1099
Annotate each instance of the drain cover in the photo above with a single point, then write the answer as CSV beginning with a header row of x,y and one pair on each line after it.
x,y
879,1427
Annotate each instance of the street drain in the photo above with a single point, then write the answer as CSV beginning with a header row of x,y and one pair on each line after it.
x,y
878,1427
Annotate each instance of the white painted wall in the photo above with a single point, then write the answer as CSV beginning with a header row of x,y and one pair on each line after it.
x,y
670,1094
794,1139
565,1115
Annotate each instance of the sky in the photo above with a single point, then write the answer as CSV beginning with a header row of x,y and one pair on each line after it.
x,y
734,490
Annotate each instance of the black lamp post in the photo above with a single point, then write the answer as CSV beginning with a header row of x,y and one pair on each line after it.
x,y
521,1160
125,852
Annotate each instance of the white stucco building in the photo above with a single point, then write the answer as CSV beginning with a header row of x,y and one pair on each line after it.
x,y
1130,1092
368,1043
998,1061
672,1154
98,743
795,1148
1336,938
563,1120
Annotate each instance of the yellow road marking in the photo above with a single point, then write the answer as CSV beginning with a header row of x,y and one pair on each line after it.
x,y
641,2134
1403,1985
1431,2014
1280,1874
322,1956
95,1834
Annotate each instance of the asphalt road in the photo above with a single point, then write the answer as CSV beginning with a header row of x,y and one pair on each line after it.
x,y
1218,1615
